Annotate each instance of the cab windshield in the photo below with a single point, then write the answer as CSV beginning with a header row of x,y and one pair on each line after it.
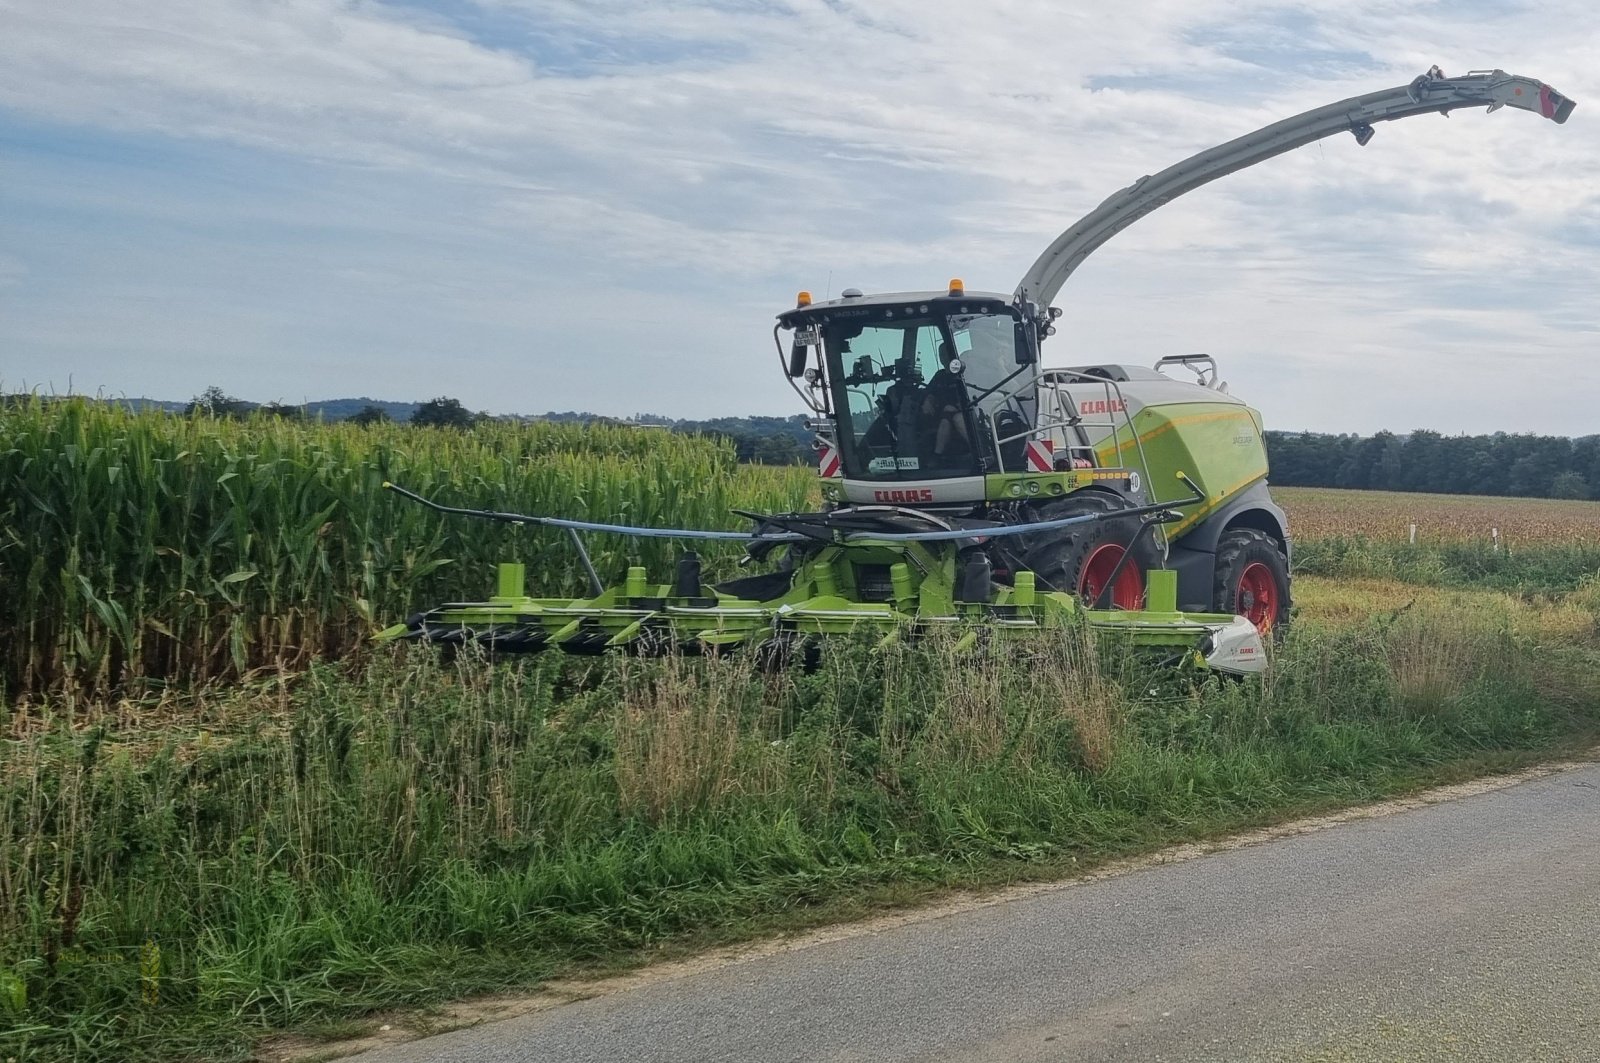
x,y
903,413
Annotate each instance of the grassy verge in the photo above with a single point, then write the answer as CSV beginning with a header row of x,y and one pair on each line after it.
x,y
178,879
1536,568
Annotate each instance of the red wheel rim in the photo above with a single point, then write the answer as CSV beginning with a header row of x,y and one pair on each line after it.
x,y
1257,600
1127,593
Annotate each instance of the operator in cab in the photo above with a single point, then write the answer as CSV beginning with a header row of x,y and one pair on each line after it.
x,y
944,411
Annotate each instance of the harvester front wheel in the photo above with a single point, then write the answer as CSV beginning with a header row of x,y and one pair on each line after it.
x,y
1252,580
1081,560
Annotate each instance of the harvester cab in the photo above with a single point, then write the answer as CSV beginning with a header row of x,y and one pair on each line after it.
x,y
965,486
923,394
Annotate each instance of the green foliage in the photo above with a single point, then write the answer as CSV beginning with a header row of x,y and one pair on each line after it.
x,y
214,402
443,413
762,440
283,410
410,831
155,548
369,415
1569,484
192,869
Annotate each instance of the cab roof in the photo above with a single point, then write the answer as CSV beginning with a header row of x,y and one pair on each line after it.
x,y
912,302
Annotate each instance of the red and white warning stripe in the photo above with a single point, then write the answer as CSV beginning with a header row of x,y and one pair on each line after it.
x,y
828,462
1040,457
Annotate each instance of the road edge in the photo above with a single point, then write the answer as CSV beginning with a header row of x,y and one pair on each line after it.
x,y
401,1028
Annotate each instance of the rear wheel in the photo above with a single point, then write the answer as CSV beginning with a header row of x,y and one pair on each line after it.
x,y
1082,559
1252,580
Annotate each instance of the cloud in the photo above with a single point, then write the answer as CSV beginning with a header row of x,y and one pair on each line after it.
x,y
559,167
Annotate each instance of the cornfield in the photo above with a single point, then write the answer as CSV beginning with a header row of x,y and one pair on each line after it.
x,y
149,548
145,547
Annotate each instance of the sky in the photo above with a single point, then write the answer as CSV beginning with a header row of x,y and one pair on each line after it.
x,y
538,205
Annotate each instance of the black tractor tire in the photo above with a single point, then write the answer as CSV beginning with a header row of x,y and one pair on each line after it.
x,y
1061,559
1252,580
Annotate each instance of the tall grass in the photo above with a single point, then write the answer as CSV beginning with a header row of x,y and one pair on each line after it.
x,y
149,547
1544,567
409,831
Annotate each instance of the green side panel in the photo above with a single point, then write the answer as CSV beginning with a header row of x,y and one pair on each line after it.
x,y
1218,444
1034,486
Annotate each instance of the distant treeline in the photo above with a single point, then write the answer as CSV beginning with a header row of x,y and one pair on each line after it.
x,y
761,440
1525,466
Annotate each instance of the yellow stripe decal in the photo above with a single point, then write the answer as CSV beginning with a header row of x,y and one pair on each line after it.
x,y
1174,422
1201,513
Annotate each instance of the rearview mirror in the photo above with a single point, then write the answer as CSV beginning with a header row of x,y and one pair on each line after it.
x,y
1026,342
803,339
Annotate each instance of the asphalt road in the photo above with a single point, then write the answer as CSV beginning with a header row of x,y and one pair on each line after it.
x,y
1463,930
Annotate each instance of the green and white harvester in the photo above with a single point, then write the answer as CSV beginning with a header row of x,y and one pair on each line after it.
x,y
967,488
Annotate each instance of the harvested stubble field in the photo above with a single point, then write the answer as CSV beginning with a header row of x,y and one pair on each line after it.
x,y
211,831
1326,512
1545,546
